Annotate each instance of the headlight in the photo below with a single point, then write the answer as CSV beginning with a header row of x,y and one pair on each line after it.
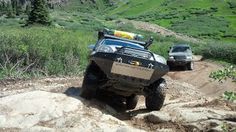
x,y
171,57
105,48
160,59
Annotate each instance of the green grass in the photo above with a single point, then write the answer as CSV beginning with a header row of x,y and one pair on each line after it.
x,y
36,51
208,19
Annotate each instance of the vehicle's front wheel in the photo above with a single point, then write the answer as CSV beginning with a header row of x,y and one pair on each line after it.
x,y
155,99
131,102
190,66
89,86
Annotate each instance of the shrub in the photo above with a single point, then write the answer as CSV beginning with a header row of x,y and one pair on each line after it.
x,y
232,4
220,75
225,52
224,74
230,96
35,51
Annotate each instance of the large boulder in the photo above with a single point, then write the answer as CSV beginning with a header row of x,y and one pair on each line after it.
x,y
45,111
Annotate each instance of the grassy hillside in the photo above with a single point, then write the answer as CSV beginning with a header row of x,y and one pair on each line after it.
x,y
61,49
205,19
211,19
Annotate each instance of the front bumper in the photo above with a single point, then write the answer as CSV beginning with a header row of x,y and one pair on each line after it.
x,y
178,62
120,68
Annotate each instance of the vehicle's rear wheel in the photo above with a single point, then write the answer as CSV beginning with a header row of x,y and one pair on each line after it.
x,y
131,102
190,66
155,99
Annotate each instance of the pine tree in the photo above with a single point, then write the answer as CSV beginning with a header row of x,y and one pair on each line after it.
x,y
28,9
39,13
2,8
17,7
10,12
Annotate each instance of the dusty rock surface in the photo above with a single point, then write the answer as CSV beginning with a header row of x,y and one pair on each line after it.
x,y
53,104
40,110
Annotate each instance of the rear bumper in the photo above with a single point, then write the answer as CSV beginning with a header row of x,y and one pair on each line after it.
x,y
118,68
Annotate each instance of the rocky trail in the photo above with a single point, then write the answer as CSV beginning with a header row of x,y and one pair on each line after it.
x,y
52,104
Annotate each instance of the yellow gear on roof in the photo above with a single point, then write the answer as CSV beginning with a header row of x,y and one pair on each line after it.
x,y
123,34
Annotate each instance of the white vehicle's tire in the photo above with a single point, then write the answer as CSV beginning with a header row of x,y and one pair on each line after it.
x,y
191,66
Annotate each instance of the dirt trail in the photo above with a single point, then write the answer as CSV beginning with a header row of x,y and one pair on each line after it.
x,y
199,78
161,30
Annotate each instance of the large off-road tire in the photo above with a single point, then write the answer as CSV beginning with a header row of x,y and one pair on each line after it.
x,y
155,99
89,86
190,66
131,102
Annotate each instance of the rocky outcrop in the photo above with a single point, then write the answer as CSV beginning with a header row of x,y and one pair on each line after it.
x,y
38,110
53,104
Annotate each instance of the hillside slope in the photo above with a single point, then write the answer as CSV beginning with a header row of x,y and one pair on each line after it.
x,y
208,19
204,19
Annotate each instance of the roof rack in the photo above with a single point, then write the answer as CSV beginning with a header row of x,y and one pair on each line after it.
x,y
126,36
129,40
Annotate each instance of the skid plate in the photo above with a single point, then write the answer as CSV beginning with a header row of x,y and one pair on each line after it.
x,y
132,70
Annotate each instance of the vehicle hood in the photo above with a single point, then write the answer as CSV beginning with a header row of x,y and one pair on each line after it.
x,y
158,58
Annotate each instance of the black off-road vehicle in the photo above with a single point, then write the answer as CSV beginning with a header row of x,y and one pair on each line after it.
x,y
121,65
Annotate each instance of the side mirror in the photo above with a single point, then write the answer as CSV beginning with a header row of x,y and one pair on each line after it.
x,y
168,51
91,47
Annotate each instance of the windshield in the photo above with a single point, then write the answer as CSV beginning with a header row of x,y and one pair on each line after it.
x,y
121,43
180,49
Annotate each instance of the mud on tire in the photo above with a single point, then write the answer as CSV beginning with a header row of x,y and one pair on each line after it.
x,y
155,99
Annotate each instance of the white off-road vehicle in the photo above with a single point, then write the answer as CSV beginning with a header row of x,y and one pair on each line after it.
x,y
181,55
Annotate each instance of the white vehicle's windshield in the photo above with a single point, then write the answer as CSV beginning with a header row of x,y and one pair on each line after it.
x,y
180,49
